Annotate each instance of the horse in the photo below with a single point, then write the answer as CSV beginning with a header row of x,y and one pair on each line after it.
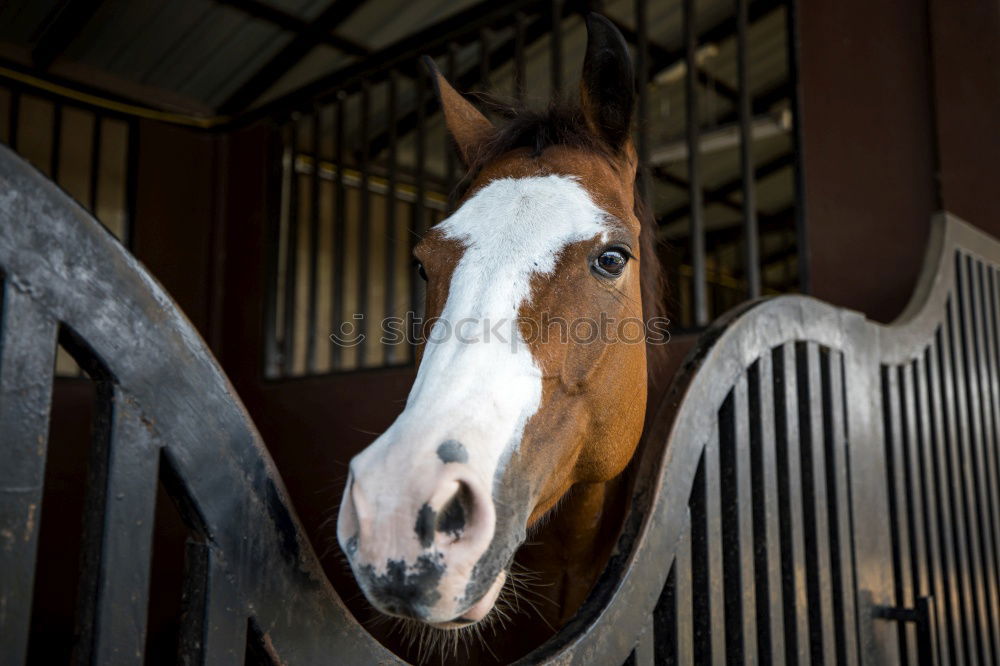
x,y
532,385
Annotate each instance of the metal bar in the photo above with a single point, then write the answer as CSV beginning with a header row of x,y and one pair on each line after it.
x,y
520,74
975,445
684,648
897,504
213,626
960,489
555,48
801,231
131,183
335,14
13,118
291,256
311,33
938,560
989,367
392,237
737,526
912,488
55,149
27,359
339,234
665,616
841,519
815,506
95,163
791,500
696,210
766,528
484,58
642,97
419,207
280,176
364,245
119,537
751,249
449,147
706,553
313,244
721,193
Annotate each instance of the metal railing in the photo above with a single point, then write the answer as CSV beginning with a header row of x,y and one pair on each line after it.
x,y
716,139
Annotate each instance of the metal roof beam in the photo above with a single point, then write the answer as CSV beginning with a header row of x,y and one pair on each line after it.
x,y
265,77
66,20
311,32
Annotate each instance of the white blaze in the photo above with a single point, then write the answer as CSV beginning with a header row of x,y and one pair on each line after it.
x,y
473,385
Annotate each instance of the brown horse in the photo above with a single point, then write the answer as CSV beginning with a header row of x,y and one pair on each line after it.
x,y
531,392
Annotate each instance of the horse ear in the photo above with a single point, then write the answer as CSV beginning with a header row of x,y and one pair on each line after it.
x,y
608,85
466,124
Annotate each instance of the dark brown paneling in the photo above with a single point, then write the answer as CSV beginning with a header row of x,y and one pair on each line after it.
x,y
175,209
966,37
868,157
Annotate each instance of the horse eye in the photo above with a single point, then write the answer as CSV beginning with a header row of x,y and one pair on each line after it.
x,y
421,271
611,262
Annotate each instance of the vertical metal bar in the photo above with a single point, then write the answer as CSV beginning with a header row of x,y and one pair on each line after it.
x,y
339,233
913,488
897,505
95,162
642,97
841,519
791,500
751,250
665,617
684,649
131,183
937,565
314,184
766,528
520,75
958,486
392,238
815,507
737,526
279,178
419,214
213,625
56,148
969,394
119,537
706,552
484,58
27,359
13,120
291,254
364,245
449,147
555,48
801,231
695,193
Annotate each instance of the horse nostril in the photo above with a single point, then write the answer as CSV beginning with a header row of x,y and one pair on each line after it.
x,y
454,514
